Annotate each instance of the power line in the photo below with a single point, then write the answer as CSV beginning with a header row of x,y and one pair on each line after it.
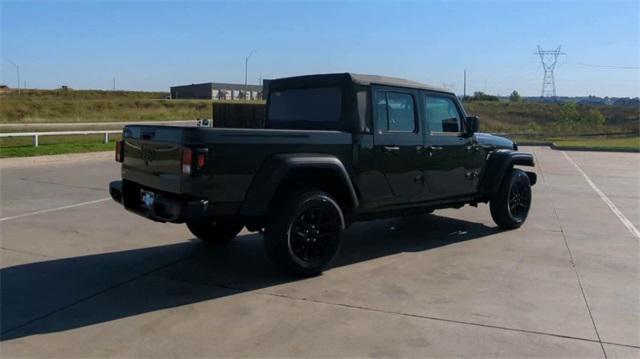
x,y
578,64
549,59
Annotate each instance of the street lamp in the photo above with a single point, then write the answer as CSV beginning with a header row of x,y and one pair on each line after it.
x,y
18,72
246,64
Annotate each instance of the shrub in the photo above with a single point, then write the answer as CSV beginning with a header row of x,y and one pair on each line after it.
x,y
594,119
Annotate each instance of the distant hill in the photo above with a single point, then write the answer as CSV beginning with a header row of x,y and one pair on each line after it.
x,y
529,115
584,100
95,105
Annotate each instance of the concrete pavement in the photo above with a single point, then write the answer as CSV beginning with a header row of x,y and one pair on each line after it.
x,y
93,280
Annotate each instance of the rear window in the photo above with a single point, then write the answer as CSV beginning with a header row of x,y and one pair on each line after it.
x,y
323,104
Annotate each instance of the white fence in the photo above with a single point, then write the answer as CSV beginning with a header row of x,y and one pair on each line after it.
x,y
36,135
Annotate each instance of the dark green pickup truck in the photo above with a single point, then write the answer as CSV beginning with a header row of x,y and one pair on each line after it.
x,y
337,148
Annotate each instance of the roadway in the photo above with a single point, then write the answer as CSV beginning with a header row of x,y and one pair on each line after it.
x,y
81,277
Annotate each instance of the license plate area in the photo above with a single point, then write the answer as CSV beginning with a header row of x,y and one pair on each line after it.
x,y
147,199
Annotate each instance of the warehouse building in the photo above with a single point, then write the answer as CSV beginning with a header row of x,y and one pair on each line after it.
x,y
219,91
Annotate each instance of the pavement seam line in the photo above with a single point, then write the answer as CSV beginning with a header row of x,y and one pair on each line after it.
x,y
53,209
25,179
26,252
584,296
575,271
625,221
351,306
81,300
435,318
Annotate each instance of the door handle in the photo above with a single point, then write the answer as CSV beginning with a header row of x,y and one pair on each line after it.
x,y
434,148
390,148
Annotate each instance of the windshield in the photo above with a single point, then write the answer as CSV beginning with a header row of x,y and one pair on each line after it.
x,y
322,104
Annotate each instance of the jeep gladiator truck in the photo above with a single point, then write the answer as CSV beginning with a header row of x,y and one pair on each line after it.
x,y
336,148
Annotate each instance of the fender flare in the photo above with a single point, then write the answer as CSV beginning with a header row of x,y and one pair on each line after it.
x,y
498,163
276,168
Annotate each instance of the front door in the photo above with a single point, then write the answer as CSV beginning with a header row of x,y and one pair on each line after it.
x,y
448,169
398,142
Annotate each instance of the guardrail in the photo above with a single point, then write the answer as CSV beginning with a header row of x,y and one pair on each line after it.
x,y
36,135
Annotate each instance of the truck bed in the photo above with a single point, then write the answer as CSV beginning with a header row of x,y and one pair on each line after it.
x,y
152,156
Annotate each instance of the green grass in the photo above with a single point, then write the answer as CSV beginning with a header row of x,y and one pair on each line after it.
x,y
55,149
604,143
101,106
54,145
524,117
97,106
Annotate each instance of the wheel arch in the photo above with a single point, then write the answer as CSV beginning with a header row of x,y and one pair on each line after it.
x,y
498,164
283,172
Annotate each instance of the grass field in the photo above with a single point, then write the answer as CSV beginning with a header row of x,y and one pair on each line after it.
x,y
522,117
55,149
34,106
612,143
625,143
50,106
54,145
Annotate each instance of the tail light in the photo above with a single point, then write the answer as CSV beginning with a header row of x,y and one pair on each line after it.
x,y
119,151
193,160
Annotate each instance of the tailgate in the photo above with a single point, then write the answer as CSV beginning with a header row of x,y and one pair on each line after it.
x,y
152,156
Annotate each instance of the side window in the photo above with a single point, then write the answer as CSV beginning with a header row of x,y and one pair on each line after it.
x,y
381,110
395,112
442,114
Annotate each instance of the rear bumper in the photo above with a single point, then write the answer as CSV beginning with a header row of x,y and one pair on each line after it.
x,y
165,208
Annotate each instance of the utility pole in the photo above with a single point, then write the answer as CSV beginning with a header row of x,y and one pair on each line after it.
x,y
464,93
549,59
246,66
114,83
18,73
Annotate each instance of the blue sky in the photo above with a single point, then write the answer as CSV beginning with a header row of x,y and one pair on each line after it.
x,y
153,45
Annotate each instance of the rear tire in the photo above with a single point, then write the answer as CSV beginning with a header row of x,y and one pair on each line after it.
x,y
304,235
510,205
215,230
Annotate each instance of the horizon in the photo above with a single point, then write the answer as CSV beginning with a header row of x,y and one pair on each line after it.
x,y
152,46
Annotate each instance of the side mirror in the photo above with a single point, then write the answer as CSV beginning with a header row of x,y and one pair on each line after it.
x,y
473,124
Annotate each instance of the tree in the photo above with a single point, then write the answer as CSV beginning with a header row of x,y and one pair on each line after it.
x,y
569,114
570,119
593,119
481,96
515,96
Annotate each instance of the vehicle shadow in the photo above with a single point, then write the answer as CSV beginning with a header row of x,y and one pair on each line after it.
x,y
64,294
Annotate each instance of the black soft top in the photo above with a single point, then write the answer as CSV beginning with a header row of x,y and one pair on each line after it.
x,y
347,78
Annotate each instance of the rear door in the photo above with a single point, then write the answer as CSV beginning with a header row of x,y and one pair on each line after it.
x,y
398,142
448,147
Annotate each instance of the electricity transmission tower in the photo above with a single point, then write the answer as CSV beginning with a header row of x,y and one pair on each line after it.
x,y
549,58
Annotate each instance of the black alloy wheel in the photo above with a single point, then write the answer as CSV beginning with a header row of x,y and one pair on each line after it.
x,y
510,205
303,235
519,200
312,232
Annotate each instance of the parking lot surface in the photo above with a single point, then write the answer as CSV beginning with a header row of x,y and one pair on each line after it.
x,y
81,277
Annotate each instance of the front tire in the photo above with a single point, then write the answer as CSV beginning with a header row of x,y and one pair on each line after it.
x,y
304,235
510,205
215,230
